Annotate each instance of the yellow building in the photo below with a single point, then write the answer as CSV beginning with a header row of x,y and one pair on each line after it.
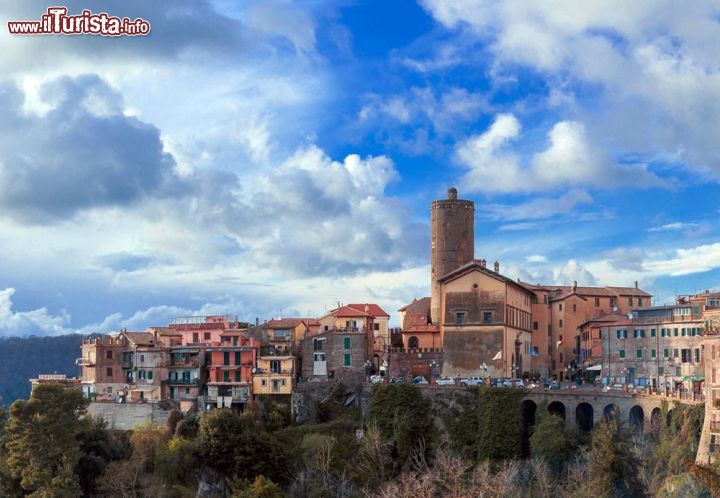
x,y
274,375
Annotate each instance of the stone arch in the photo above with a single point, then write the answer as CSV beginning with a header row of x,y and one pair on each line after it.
x,y
636,418
610,411
557,408
529,410
655,417
669,418
413,342
584,416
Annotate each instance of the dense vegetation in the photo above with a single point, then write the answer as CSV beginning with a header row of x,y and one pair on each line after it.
x,y
407,446
22,358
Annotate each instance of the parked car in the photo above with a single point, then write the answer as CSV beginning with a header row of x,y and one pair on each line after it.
x,y
376,379
613,387
419,380
532,385
444,381
509,383
472,381
401,380
552,385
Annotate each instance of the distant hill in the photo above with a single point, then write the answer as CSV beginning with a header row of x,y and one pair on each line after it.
x,y
22,358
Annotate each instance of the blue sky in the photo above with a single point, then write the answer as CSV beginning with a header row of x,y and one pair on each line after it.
x,y
267,159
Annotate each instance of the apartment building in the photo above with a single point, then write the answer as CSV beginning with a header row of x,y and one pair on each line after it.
x,y
339,353
229,367
274,375
101,364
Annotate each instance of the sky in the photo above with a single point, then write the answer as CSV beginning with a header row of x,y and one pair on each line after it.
x,y
272,158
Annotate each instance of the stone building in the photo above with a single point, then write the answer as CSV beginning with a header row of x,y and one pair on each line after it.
x,y
102,367
709,446
659,347
340,353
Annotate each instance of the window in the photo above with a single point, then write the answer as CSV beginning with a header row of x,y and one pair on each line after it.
x,y
226,376
150,374
629,301
235,341
652,333
413,342
487,316
535,325
347,342
622,353
319,345
560,324
653,353
109,390
206,336
376,326
226,357
109,372
275,366
237,357
639,301
661,370
108,354
142,358
574,308
549,330
319,356
560,307
460,317
666,353
685,356
141,374
683,332
697,355
327,328
348,361
263,382
621,334
638,354
237,376
613,303
196,337
597,302
675,332
675,353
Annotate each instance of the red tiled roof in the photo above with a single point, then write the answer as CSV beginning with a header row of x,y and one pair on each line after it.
x,y
139,338
372,309
417,306
475,265
345,311
282,323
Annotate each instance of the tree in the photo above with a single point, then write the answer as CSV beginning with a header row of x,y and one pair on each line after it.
x,y
219,435
612,469
403,417
552,440
42,440
262,487
98,447
500,428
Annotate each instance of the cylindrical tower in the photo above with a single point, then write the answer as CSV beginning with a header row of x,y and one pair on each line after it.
x,y
452,234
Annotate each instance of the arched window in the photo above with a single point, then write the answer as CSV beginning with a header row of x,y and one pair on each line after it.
x,y
413,342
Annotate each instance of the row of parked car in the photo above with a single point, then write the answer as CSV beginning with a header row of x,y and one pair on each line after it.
x,y
471,381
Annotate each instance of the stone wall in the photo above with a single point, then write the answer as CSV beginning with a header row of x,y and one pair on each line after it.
x,y
127,416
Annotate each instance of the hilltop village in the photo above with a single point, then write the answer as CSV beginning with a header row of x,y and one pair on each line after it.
x,y
477,325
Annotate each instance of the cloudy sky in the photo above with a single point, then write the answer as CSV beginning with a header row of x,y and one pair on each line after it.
x,y
273,158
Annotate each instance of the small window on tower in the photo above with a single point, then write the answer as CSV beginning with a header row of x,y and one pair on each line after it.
x,y
487,316
460,317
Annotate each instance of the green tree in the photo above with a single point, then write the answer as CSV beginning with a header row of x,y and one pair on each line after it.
x,y
261,487
552,440
612,469
98,447
404,418
500,428
219,436
42,440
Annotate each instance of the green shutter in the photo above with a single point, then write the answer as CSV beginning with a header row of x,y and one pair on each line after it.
x,y
638,353
237,376
653,353
347,342
666,353
348,360
622,353
652,332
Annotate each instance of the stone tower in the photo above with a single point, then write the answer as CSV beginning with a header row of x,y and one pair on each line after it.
x,y
452,235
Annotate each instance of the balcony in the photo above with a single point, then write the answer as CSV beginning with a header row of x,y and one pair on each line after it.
x,y
192,363
183,382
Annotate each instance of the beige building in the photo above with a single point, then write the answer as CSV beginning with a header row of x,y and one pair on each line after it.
x,y
274,375
485,323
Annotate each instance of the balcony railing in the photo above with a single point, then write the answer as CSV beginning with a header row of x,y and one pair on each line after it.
x,y
184,382
184,364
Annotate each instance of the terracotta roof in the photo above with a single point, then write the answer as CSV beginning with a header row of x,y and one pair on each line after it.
x,y
139,338
417,306
345,311
288,323
630,291
475,265
373,309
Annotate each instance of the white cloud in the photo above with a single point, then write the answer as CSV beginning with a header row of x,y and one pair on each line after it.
x,y
538,208
653,69
33,322
669,227
536,258
570,160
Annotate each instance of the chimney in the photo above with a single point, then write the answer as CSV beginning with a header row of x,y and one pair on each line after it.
x,y
574,287
483,263
636,286
497,267
257,321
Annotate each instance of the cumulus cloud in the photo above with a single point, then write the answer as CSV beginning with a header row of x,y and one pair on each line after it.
x,y
82,153
569,160
33,322
652,68
573,271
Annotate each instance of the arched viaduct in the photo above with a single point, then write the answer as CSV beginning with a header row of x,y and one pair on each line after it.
x,y
587,409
